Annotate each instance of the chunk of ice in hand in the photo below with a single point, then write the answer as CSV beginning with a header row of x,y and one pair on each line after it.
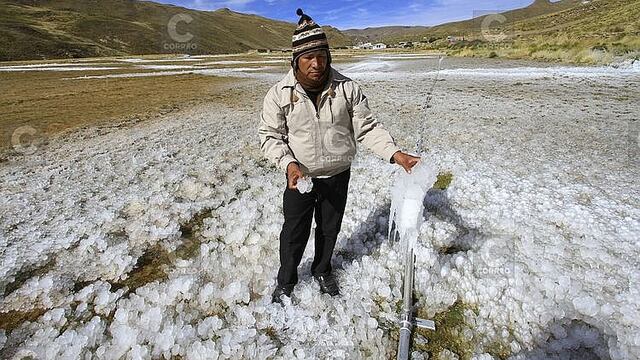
x,y
304,185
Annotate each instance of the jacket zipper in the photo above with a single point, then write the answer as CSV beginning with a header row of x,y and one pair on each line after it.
x,y
330,110
318,102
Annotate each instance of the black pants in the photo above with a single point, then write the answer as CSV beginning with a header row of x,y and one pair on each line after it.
x,y
327,199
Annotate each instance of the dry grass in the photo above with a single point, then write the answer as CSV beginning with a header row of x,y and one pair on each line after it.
x,y
49,104
577,53
597,32
13,319
448,334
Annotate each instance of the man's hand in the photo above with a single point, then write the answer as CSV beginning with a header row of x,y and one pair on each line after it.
x,y
293,174
405,160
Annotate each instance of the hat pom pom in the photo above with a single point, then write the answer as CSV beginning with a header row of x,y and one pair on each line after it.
x,y
299,12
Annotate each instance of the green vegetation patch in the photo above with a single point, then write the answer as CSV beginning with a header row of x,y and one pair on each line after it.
x,y
448,335
443,181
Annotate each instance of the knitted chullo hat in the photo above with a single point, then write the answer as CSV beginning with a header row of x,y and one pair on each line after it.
x,y
307,37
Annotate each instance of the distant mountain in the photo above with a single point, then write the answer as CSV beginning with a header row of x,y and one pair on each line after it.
x,y
599,20
45,29
562,30
394,34
576,31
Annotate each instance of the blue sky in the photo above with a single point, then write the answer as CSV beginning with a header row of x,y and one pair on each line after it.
x,y
348,14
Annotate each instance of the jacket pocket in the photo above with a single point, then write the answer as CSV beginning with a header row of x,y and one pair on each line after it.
x,y
340,113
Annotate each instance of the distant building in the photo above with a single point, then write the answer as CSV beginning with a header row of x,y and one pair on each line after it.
x,y
454,39
365,46
379,46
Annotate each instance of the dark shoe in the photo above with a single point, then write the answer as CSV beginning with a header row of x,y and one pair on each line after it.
x,y
276,297
328,284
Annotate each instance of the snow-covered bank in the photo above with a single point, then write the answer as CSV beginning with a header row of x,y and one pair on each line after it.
x,y
57,67
237,72
540,225
537,73
536,234
114,205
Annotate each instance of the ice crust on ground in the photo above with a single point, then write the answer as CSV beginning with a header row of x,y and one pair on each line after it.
x,y
370,65
537,233
236,72
57,68
165,67
241,62
552,71
26,67
138,60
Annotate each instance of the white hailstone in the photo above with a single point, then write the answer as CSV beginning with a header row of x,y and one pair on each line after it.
x,y
586,305
202,350
205,292
515,346
244,316
45,283
607,310
102,298
138,352
135,209
121,316
164,340
372,323
190,189
384,291
447,354
444,271
124,337
233,292
304,185
299,354
151,319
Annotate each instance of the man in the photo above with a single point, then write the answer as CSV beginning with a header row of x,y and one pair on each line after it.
x,y
308,125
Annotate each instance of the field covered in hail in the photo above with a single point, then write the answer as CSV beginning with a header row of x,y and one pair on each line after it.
x,y
160,239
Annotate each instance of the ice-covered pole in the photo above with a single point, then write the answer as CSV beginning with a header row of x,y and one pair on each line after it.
x,y
406,322
405,219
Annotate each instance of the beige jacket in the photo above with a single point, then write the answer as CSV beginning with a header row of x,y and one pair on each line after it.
x,y
321,142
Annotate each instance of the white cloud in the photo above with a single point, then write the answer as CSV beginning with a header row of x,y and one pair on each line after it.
x,y
429,13
217,4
